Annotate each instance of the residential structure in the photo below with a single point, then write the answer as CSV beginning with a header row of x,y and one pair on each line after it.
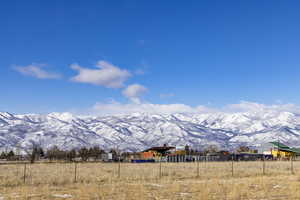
x,y
157,153
278,150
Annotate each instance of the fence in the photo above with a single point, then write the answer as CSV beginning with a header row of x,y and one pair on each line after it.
x,y
62,173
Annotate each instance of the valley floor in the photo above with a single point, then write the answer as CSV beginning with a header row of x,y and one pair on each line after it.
x,y
152,181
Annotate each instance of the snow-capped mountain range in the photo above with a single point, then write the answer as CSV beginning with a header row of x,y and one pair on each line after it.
x,y
138,131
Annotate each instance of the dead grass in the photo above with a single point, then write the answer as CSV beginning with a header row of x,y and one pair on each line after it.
x,y
146,181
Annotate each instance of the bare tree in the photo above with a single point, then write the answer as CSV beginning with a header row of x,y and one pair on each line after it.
x,y
83,153
32,152
211,149
71,155
243,149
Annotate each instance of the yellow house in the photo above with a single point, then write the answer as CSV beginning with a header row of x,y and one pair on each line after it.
x,y
280,150
279,153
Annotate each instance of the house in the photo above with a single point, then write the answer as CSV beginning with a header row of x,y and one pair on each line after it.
x,y
149,154
218,156
183,154
129,156
247,156
156,152
167,153
104,157
278,150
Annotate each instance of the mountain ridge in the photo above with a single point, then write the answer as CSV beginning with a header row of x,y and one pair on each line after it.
x,y
137,131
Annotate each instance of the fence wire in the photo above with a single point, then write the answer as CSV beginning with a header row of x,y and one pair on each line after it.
x,y
64,173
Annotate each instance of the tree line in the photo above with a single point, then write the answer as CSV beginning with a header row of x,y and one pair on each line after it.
x,y
92,153
55,153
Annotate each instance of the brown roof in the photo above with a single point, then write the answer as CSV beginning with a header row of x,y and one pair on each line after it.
x,y
163,148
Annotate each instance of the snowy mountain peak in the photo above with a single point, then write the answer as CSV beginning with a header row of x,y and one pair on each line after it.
x,y
6,115
141,130
65,116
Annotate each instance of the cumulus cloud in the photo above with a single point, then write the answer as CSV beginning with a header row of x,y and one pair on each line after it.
x,y
134,92
106,75
37,71
246,106
114,107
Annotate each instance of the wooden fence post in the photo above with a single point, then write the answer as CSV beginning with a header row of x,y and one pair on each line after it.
x,y
24,177
292,165
264,165
75,172
119,168
232,165
160,175
198,170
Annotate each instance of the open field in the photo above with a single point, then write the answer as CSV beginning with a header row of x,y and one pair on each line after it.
x,y
205,180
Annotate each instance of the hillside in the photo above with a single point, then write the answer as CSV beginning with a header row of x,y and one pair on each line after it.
x,y
139,131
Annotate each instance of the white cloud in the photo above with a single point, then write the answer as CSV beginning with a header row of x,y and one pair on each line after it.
x,y
134,92
246,106
114,107
37,71
119,108
106,75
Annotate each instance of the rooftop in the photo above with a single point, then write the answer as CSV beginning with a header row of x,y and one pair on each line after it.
x,y
163,148
280,145
284,147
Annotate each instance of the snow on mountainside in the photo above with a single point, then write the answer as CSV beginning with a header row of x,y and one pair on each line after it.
x,y
139,131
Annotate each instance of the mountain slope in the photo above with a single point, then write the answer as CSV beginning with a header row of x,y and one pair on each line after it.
x,y
139,131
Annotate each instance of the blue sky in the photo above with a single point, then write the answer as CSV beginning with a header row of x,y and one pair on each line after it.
x,y
210,53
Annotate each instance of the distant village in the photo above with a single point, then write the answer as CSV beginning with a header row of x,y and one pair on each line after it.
x,y
269,151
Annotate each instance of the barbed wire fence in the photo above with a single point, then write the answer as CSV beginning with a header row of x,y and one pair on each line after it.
x,y
74,172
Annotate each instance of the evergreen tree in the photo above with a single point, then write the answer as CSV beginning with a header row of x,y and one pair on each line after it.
x,y
10,155
83,153
115,154
33,154
41,152
187,149
71,155
53,153
3,155
95,152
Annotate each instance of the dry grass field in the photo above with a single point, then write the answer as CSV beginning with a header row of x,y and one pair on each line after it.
x,y
204,180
